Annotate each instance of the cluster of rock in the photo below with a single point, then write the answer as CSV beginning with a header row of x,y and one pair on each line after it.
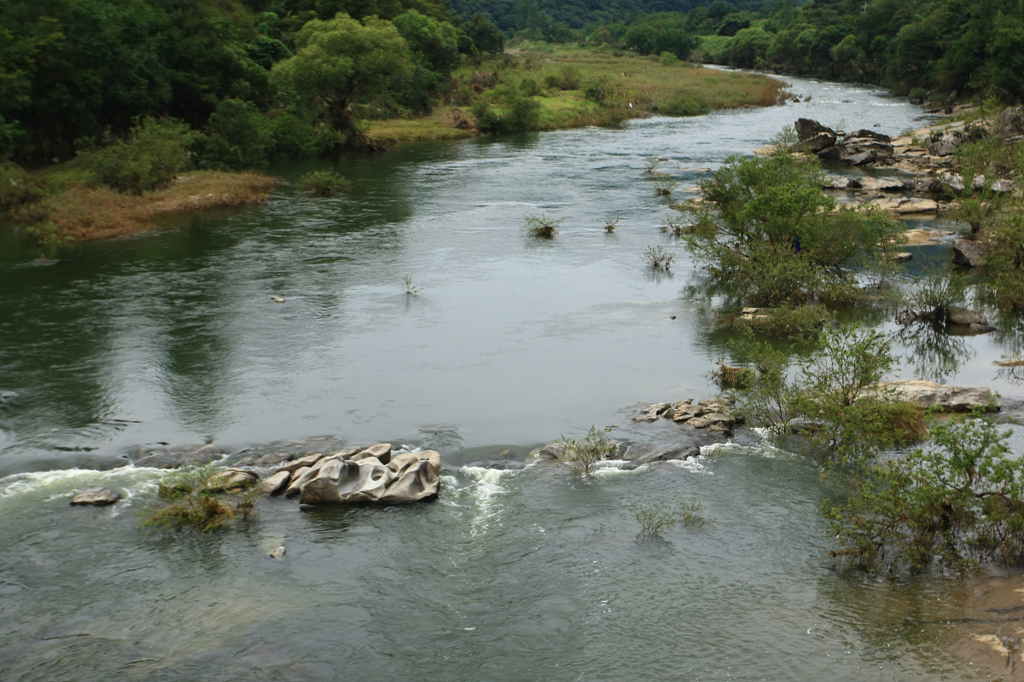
x,y
373,474
712,414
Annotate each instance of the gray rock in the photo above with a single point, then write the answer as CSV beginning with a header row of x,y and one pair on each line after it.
x,y
266,460
834,153
302,476
232,479
95,495
173,459
651,412
302,462
861,158
945,143
640,455
808,128
816,143
946,398
276,484
380,452
1011,123
955,315
969,253
552,452
978,328
865,134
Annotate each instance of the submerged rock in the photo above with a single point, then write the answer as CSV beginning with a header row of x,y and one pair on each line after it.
x,y
664,453
232,479
651,412
177,458
955,315
95,495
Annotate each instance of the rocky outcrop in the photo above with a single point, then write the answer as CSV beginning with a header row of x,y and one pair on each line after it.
x,y
1011,122
663,453
96,496
943,397
955,315
969,253
408,477
713,414
276,484
945,143
813,136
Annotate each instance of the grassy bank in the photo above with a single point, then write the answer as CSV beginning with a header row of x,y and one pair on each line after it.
x,y
74,208
576,87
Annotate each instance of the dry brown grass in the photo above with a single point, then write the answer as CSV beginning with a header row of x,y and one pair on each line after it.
x,y
85,213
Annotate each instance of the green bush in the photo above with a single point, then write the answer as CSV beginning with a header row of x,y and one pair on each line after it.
x,y
959,504
529,87
153,154
506,110
768,235
324,183
685,105
658,516
541,226
668,59
238,136
582,456
17,187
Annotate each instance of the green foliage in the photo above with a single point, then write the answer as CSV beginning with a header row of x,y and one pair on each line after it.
x,y
930,299
341,60
694,104
664,185
837,391
542,226
487,37
596,89
668,59
803,321
660,34
192,498
582,456
324,183
658,516
958,504
768,234
506,110
153,154
17,187
238,136
433,43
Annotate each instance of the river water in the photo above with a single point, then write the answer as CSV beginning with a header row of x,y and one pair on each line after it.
x,y
509,342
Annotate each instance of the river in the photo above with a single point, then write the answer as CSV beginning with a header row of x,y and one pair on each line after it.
x,y
509,342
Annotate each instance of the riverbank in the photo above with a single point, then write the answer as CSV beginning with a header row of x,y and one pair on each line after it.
x,y
76,209
576,87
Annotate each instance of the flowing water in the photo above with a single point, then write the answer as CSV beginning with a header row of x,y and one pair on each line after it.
x,y
508,343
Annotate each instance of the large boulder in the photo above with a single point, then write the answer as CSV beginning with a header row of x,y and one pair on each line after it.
x,y
96,496
945,143
817,143
943,397
408,477
807,129
232,479
663,453
861,158
969,253
1011,123
955,315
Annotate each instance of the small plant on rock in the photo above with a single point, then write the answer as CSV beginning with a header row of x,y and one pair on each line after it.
x,y
410,288
541,226
658,258
610,224
582,456
664,185
651,164
194,497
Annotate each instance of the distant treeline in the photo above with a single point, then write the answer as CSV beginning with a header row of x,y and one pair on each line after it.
x,y
260,77
960,47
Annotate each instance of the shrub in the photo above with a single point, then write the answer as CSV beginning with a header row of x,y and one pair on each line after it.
x,y
664,185
17,187
238,136
958,505
610,224
767,233
324,183
786,322
193,499
572,76
529,87
668,59
658,258
541,226
685,105
596,90
506,110
658,516
153,154
930,300
582,456
651,164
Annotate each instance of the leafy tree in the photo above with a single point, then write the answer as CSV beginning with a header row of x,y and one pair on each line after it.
x,y
152,154
341,60
432,42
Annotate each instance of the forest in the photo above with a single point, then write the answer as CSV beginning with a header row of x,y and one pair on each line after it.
x,y
289,78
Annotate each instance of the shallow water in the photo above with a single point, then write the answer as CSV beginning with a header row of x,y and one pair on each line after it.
x,y
510,342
